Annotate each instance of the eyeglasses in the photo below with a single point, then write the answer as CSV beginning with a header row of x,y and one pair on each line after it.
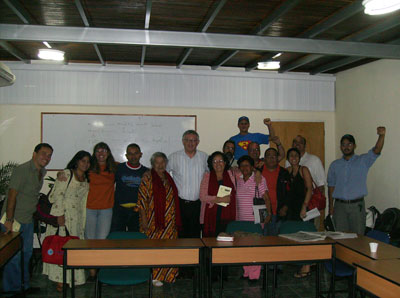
x,y
218,161
101,151
191,140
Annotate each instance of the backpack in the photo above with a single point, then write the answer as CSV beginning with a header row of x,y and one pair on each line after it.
x,y
43,208
371,217
389,222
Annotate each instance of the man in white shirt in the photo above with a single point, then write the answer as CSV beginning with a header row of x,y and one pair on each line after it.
x,y
187,168
314,164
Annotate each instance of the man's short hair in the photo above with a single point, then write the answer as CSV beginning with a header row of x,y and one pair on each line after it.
x,y
252,143
42,145
227,142
301,137
190,132
271,149
133,145
348,137
244,158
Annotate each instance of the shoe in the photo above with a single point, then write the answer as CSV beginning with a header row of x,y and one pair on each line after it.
x,y
59,287
157,283
301,274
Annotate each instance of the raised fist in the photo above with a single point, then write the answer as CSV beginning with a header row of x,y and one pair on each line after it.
x,y
267,121
381,130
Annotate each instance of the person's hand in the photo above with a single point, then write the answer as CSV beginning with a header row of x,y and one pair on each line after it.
x,y
381,130
8,226
303,212
267,219
267,121
259,164
330,209
283,211
275,140
258,177
61,220
61,176
225,199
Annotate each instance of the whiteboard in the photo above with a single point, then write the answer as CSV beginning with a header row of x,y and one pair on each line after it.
x,y
68,133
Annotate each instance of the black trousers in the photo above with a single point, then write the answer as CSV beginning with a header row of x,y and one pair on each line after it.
x,y
124,219
190,215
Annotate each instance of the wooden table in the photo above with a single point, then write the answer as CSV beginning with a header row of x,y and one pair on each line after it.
x,y
381,278
10,245
357,250
133,253
265,250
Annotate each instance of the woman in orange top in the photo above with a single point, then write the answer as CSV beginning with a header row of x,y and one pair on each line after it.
x,y
100,199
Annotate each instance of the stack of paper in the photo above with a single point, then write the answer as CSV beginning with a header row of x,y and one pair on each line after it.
x,y
224,237
303,236
222,192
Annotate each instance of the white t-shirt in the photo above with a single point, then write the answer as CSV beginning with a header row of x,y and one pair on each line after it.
x,y
314,164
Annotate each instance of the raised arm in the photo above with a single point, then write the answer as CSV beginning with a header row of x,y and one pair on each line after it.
x,y
268,123
281,150
381,131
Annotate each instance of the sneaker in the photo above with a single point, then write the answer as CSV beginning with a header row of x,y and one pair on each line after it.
x,y
157,283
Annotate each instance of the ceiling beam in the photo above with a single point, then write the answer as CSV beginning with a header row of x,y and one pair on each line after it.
x,y
20,11
259,30
14,51
359,36
146,26
319,28
196,40
203,28
343,62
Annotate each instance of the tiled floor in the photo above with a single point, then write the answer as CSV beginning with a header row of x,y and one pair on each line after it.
x,y
288,286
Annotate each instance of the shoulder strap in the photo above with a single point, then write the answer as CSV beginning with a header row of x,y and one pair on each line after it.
x,y
70,177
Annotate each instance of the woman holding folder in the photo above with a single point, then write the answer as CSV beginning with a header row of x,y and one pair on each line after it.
x,y
217,195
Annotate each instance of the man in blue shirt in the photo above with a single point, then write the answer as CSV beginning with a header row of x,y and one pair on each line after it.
x,y
347,183
127,181
244,137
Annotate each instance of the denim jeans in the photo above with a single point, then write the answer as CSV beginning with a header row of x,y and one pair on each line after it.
x,y
98,223
12,270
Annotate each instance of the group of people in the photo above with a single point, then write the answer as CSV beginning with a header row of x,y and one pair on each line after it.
x,y
177,197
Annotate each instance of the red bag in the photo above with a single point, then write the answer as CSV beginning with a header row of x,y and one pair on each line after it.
x,y
52,252
318,199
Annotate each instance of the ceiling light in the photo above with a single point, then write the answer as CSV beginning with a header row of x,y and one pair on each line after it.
x,y
374,7
50,54
269,65
277,55
47,44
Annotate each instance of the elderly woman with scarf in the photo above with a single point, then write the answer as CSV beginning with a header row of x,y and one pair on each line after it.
x,y
159,210
213,216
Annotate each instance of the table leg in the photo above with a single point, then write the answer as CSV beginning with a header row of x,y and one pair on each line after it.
x,y
22,267
333,270
195,281
73,283
221,282
209,269
266,282
151,283
274,281
65,274
317,279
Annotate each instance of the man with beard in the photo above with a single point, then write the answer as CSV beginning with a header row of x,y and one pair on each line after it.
x,y
347,183
229,150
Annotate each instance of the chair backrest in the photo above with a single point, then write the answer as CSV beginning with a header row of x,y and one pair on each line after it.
x,y
378,235
292,226
126,235
244,226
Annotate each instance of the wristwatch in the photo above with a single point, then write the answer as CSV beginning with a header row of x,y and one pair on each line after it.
x,y
9,219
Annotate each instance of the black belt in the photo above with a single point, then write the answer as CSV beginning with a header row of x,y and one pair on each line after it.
x,y
350,201
187,201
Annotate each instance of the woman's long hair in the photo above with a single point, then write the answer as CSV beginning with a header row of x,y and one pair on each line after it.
x,y
111,166
73,164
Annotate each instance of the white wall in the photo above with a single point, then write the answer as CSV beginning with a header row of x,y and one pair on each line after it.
x,y
366,97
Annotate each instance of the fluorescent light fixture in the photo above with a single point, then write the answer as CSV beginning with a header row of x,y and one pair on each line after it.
x,y
51,54
374,7
277,55
47,44
269,65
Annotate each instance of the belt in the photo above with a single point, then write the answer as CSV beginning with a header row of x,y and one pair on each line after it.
x,y
350,201
187,201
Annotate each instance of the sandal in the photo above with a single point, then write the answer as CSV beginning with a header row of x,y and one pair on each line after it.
x,y
302,274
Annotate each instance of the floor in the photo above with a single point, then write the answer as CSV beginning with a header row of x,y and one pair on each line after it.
x,y
288,286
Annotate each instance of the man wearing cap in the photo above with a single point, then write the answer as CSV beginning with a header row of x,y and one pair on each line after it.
x,y
347,183
244,137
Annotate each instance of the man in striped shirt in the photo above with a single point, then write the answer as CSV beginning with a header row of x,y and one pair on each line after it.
x,y
187,168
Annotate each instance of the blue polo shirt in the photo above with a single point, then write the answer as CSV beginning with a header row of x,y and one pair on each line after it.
x,y
349,177
243,141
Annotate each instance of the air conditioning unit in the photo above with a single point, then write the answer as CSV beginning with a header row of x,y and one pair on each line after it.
x,y
7,78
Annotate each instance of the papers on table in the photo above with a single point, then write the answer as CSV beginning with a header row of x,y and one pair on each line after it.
x,y
222,192
224,237
303,236
313,213
260,213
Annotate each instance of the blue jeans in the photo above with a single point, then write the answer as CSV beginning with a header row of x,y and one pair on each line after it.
x,y
12,270
98,223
